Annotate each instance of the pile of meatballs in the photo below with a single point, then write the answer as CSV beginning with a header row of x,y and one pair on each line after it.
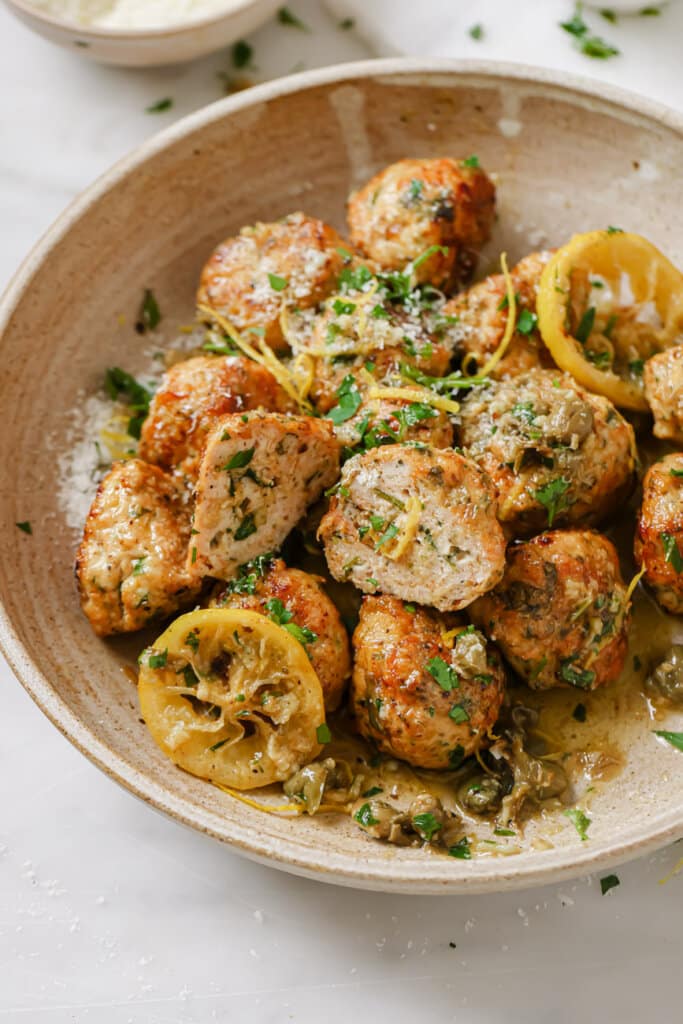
x,y
463,509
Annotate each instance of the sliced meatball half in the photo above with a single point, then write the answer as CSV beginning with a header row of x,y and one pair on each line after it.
x,y
560,615
426,687
659,535
297,601
415,522
192,396
413,205
131,564
259,474
253,277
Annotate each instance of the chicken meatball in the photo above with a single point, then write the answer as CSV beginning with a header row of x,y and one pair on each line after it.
x,y
194,394
659,536
663,380
560,615
259,474
556,453
417,523
389,420
253,277
415,204
482,313
297,601
426,687
130,565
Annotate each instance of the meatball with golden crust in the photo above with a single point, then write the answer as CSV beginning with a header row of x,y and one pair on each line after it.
x,y
251,278
297,601
415,522
426,688
663,381
392,420
130,565
555,452
659,536
482,316
560,615
414,204
192,396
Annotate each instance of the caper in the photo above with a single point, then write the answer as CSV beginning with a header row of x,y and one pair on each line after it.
x,y
482,795
666,680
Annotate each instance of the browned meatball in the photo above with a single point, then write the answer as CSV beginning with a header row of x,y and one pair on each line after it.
x,y
663,380
415,204
295,600
482,316
391,420
252,277
659,537
560,615
555,452
425,688
415,522
130,565
192,396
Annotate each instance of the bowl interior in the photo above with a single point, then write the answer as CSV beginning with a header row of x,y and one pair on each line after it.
x,y
566,161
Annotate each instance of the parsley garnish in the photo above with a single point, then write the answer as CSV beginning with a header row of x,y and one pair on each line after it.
x,y
373,791
579,820
446,677
283,617
674,738
149,315
349,401
426,825
287,17
672,553
239,459
585,327
553,497
583,678
347,23
388,535
250,573
471,161
476,32
217,746
246,527
323,734
526,322
277,283
504,832
673,472
364,816
353,279
192,640
461,849
636,366
160,106
589,45
415,188
456,756
242,53
25,527
117,382
139,565
340,307
611,230
609,882
649,12
158,660
458,714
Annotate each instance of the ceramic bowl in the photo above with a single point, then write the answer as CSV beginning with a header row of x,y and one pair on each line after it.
x,y
154,46
570,156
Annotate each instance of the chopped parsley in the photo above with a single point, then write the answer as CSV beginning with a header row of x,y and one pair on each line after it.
x,y
160,106
458,714
415,188
342,308
389,534
158,660
365,817
553,497
649,12
504,832
471,161
526,322
373,791
192,640
426,825
116,383
139,565
242,53
673,472
456,756
239,460
672,553
346,24
589,45
579,820
250,573
283,617
611,230
25,527
323,734
277,283
461,849
476,32
217,746
287,17
582,678
446,677
636,366
674,738
246,527
583,331
609,882
349,401
353,279
149,315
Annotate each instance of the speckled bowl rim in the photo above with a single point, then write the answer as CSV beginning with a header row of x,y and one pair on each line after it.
x,y
301,858
97,33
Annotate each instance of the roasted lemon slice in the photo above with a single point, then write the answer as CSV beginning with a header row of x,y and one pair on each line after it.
x,y
231,697
608,301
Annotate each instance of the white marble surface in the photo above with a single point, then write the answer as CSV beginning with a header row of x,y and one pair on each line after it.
x,y
109,913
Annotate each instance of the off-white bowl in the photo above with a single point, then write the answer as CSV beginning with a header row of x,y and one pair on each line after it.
x,y
570,156
153,46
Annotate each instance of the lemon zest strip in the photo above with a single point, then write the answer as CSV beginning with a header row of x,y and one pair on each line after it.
x,y
510,323
408,530
633,584
425,396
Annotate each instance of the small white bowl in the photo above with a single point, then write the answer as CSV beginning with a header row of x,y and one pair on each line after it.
x,y
152,46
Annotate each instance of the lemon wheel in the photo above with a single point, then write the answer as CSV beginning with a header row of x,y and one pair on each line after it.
x,y
607,302
231,697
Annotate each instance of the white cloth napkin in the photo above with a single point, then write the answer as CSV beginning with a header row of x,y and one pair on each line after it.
x,y
528,31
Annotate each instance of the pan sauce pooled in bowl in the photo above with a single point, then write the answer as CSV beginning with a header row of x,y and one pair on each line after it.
x,y
459,730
